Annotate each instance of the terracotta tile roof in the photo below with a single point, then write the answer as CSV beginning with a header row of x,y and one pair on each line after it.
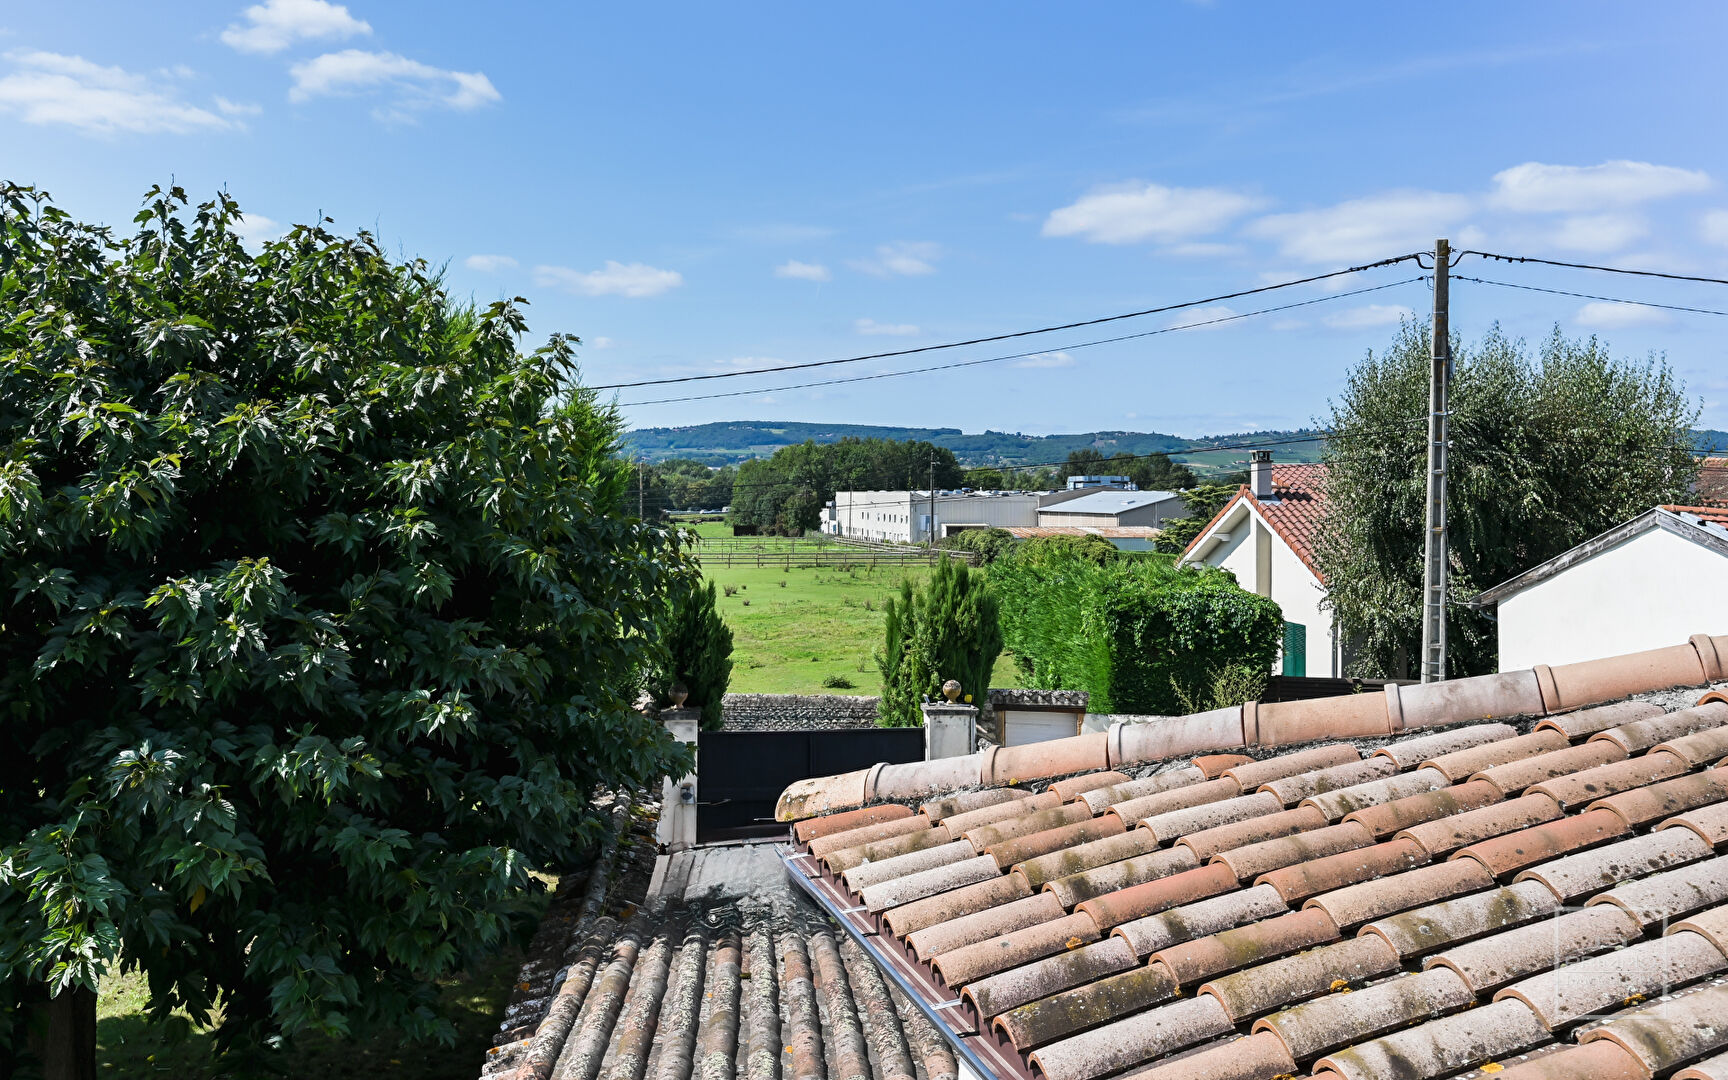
x,y
1714,515
717,986
1295,515
1200,924
1713,480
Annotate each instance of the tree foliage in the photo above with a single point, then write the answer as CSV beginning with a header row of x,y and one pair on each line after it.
x,y
785,493
1148,472
949,629
988,544
323,616
1138,633
1548,449
699,648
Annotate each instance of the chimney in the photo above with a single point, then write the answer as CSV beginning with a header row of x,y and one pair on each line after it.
x,y
1260,473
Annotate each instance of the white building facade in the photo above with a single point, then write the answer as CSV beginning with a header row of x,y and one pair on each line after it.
x,y
1650,582
905,516
1265,536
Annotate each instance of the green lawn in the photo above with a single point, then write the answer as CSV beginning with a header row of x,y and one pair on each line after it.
x,y
128,1044
793,630
821,623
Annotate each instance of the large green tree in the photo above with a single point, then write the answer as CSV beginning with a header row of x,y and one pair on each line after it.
x,y
322,622
785,493
1549,448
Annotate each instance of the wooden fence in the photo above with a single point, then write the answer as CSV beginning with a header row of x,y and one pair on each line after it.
x,y
819,553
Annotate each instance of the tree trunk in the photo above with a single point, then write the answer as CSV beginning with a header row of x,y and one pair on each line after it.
x,y
69,1052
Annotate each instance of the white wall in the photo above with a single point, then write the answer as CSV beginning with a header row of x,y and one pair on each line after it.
x,y
1296,590
1294,587
1652,590
903,516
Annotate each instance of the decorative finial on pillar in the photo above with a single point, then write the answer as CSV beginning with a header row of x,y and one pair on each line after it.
x,y
951,690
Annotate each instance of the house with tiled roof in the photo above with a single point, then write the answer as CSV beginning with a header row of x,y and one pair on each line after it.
x,y
1634,586
1521,875
1266,535
1712,484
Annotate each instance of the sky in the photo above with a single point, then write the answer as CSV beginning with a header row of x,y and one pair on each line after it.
x,y
704,188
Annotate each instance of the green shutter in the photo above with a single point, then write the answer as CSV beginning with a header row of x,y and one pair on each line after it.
x,y
1295,649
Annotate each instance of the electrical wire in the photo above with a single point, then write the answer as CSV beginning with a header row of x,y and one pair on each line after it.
x,y
1024,355
1588,296
1015,334
1590,266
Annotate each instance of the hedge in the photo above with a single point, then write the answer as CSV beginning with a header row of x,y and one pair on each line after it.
x,y
1139,635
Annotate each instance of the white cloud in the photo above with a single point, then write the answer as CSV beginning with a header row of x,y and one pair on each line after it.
x,y
1607,315
274,25
1128,213
1368,315
904,258
1598,232
256,229
413,86
873,328
70,91
802,271
1202,249
1715,225
236,108
489,264
1046,360
1206,317
1362,229
600,342
635,280
1538,188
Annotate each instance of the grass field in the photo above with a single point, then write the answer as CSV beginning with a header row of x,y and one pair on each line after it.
x,y
128,1044
794,630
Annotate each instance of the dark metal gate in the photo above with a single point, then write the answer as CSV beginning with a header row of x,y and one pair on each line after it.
x,y
742,773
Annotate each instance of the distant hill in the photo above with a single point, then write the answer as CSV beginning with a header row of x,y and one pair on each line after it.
x,y
730,442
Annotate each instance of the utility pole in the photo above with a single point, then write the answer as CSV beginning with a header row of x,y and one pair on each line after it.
x,y
930,533
1434,554
639,493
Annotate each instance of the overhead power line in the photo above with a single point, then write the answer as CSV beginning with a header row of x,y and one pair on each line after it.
x,y
1590,296
1591,266
1014,334
1024,355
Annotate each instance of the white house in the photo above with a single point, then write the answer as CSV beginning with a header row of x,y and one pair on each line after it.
x,y
904,516
1265,535
1652,581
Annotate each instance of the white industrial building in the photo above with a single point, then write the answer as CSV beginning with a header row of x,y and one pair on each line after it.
x,y
905,516
1265,535
1111,508
1652,581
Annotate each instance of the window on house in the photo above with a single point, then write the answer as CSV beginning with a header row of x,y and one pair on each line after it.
x,y
1295,649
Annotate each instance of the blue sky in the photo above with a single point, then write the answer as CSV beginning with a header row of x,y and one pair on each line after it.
x,y
700,188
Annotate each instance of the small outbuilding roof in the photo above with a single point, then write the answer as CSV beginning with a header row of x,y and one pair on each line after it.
x,y
1109,502
1704,525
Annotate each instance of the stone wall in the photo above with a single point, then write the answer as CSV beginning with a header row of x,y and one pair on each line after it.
x,y
797,712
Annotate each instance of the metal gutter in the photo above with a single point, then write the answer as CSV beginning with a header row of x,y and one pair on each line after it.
x,y
987,1053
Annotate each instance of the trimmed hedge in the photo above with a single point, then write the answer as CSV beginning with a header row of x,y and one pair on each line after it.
x,y
1139,635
